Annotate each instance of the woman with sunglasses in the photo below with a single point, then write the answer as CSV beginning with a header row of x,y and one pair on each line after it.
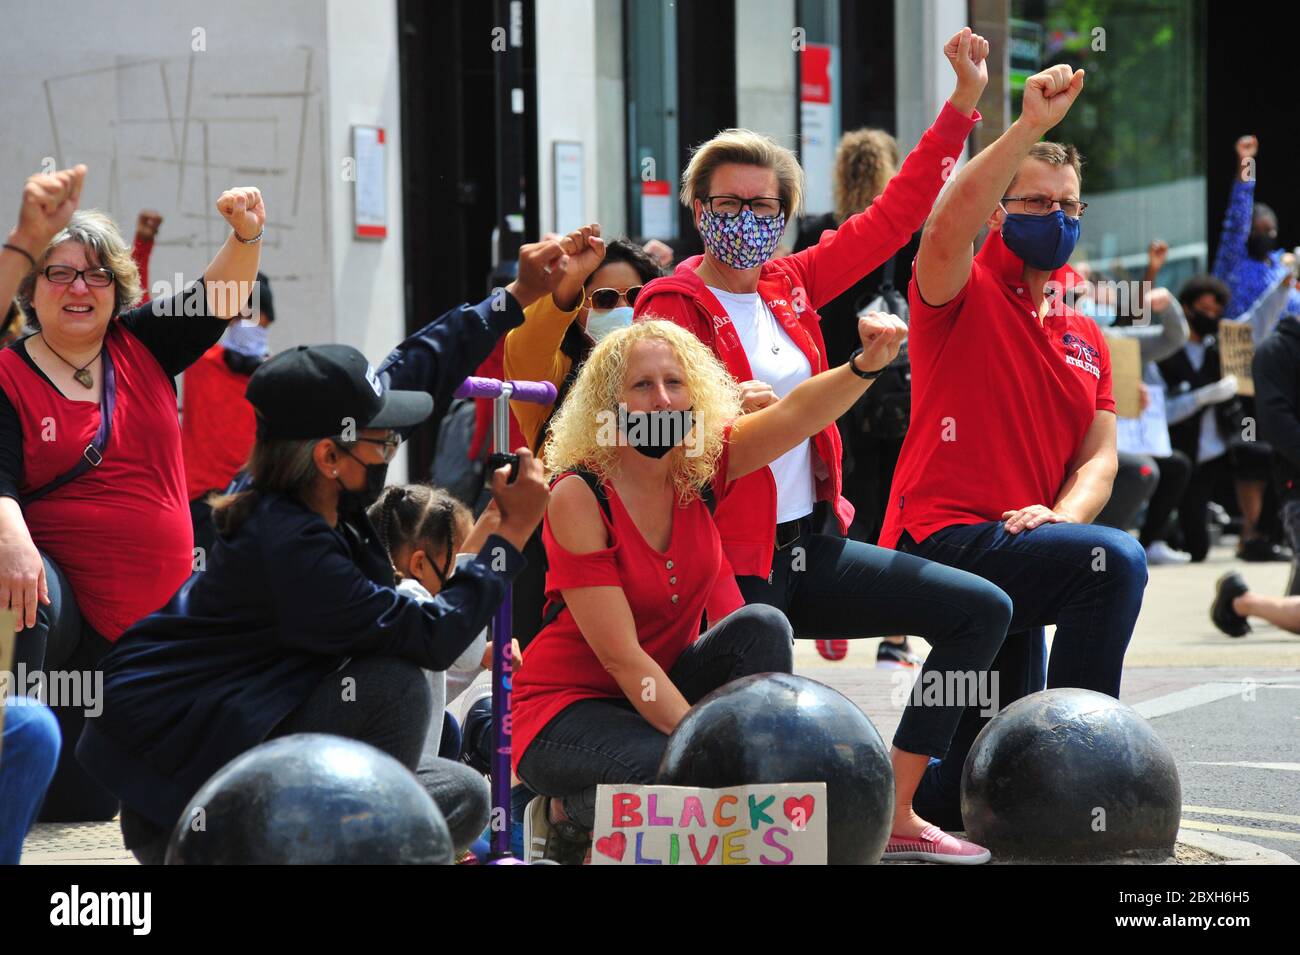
x,y
95,528
597,295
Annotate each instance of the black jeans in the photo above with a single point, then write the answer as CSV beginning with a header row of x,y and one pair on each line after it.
x,y
607,741
1136,481
1247,462
1174,473
68,651
832,587
1087,580
389,707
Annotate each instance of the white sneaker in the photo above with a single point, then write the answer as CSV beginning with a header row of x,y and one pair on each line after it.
x,y
480,689
1158,552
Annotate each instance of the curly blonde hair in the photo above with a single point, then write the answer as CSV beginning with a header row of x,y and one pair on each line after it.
x,y
574,440
864,162
104,246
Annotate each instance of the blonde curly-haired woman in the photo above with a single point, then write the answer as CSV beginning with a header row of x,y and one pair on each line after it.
x,y
650,432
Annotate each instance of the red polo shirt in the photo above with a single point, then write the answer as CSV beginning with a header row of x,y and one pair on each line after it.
x,y
1000,401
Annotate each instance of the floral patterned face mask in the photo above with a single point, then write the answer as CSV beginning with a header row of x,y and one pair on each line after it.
x,y
742,242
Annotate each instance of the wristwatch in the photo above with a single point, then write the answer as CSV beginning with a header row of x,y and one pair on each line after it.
x,y
867,375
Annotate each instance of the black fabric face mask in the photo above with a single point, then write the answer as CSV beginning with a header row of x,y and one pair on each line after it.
x,y
1260,244
654,433
350,502
1201,323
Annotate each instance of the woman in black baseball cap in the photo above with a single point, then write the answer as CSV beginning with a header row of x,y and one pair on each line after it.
x,y
294,624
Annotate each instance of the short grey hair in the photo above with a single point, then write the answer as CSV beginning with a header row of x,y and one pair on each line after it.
x,y
99,235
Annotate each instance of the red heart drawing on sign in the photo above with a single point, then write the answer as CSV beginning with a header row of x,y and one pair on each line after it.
x,y
613,846
798,811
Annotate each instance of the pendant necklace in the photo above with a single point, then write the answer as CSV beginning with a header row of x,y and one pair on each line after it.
x,y
82,374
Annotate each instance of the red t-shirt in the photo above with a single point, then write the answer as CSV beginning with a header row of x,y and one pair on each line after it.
x,y
668,592
218,425
120,532
1000,402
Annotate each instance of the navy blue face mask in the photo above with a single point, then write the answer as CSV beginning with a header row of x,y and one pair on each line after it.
x,y
1042,242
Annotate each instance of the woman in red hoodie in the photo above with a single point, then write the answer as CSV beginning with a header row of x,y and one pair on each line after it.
x,y
759,316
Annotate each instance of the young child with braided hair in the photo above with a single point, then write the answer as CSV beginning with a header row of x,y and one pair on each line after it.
x,y
426,530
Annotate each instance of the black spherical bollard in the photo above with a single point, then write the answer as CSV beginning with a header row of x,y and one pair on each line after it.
x,y
311,799
781,728
1070,775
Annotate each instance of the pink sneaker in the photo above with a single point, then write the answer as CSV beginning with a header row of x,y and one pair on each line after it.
x,y
934,845
833,649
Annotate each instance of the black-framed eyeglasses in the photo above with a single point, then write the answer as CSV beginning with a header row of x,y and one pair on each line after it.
x,y
763,207
389,445
1041,205
66,275
607,298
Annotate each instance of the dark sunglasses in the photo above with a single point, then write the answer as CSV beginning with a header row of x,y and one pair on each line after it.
x,y
607,298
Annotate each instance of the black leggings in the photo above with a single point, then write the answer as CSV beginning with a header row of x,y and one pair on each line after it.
x,y
65,648
389,707
607,741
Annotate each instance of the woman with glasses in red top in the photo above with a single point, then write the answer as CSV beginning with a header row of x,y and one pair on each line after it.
x,y
95,526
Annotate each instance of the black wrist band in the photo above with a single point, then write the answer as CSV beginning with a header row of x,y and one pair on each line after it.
x,y
866,375
23,251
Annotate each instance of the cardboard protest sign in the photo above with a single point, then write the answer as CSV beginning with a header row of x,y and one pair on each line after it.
x,y
1236,353
776,824
1126,375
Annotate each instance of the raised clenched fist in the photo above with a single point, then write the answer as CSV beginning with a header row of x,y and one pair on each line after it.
x,y
1049,96
244,209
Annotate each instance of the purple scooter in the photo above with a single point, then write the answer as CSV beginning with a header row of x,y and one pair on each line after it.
x,y
502,393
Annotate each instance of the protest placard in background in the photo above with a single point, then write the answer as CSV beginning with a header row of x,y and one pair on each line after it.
x,y
1126,375
776,824
1148,434
1236,353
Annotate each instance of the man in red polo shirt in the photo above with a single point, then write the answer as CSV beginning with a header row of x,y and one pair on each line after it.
x,y
1011,450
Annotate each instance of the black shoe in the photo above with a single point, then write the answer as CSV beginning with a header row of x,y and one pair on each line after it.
x,y
1229,587
1260,550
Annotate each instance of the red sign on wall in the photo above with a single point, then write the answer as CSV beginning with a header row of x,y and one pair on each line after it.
x,y
815,74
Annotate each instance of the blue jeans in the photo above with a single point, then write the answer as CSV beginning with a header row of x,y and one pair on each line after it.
x,y
28,755
607,741
835,587
1085,579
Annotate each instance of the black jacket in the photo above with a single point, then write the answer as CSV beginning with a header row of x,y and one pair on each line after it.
x,y
282,603
1180,377
1276,371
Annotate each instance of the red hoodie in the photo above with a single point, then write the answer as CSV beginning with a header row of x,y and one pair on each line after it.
x,y
794,287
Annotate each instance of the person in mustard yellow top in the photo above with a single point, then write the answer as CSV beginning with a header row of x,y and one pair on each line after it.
x,y
595,297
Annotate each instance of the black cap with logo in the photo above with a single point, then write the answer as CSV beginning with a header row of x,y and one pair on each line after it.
x,y
316,391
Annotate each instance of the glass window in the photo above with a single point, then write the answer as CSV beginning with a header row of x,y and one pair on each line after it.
x,y
1139,122
653,174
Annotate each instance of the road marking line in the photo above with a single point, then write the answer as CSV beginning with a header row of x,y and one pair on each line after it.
x,y
1242,814
1289,767
1192,696
1243,830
